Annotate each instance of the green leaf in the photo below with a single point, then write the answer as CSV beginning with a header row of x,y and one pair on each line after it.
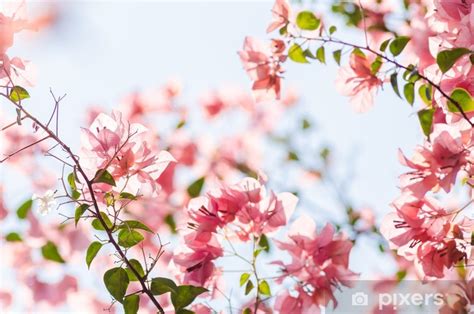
x,y
247,311
128,238
138,267
293,156
447,58
296,54
263,243
51,253
127,196
463,98
384,45
80,210
194,189
426,120
376,65
394,83
185,311
116,281
337,56
321,55
409,92
332,29
249,287
161,285
185,295
264,288
305,124
103,176
24,208
13,237
92,251
401,275
169,220
243,278
425,93
18,93
97,225
131,304
134,224
307,20
358,52
398,44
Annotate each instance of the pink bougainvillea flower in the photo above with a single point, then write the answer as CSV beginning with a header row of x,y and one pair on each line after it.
x,y
246,206
424,232
358,82
122,148
263,65
281,13
436,164
320,261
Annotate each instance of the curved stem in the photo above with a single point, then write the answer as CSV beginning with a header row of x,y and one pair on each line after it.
x,y
397,64
89,183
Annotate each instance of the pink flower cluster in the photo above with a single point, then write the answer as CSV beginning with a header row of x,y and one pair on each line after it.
x,y
124,151
262,61
319,264
421,229
247,206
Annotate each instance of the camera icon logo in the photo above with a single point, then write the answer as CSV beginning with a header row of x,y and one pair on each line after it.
x,y
360,299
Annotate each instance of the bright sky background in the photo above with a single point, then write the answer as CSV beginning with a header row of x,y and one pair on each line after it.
x,y
103,50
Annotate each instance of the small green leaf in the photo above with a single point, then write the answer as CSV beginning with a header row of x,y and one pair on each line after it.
x,y
18,93
134,224
401,275
332,29
169,220
97,225
128,238
127,196
409,92
426,120
161,285
384,45
376,65
307,20
103,176
80,210
296,54
247,311
185,295
394,83
321,55
51,253
463,98
24,208
398,44
138,267
447,58
92,251
13,237
194,189
243,278
249,287
131,304
425,93
337,56
263,243
293,156
305,124
264,288
358,52
116,281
